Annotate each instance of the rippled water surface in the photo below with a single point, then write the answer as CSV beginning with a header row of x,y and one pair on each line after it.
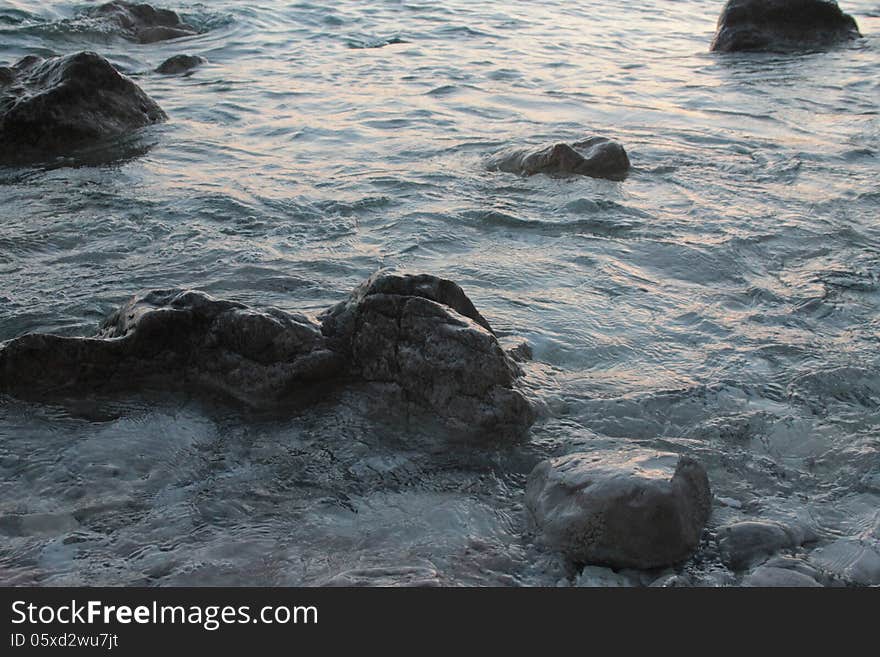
x,y
721,301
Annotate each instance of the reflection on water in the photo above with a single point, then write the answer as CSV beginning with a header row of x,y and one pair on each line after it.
x,y
723,299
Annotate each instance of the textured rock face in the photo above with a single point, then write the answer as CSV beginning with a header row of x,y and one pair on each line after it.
x,y
597,157
180,64
743,543
782,25
628,509
175,338
420,336
48,106
424,335
141,22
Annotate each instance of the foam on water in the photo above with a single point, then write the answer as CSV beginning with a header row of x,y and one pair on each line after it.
x,y
722,300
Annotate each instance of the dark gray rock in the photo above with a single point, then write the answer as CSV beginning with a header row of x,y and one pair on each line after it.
x,y
743,543
624,509
597,157
141,22
782,25
180,64
422,334
50,106
174,338
417,337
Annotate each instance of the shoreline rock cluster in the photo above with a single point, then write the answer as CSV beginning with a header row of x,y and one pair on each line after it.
x,y
418,333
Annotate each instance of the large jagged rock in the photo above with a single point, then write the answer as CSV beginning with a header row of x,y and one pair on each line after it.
x,y
49,106
422,334
418,336
597,157
141,22
174,338
631,508
782,25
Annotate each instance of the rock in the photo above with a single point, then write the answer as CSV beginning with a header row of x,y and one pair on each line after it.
x,y
410,577
597,157
672,581
743,543
770,576
851,560
521,353
53,105
141,22
630,508
600,577
180,64
422,334
418,338
782,25
174,338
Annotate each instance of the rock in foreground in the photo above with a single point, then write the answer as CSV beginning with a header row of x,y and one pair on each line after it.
x,y
50,106
174,338
782,25
624,509
423,334
141,22
596,157
418,334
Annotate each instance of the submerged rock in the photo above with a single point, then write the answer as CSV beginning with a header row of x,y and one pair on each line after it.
x,y
743,543
49,106
782,25
772,576
852,560
405,577
141,22
422,334
176,339
180,64
624,509
597,157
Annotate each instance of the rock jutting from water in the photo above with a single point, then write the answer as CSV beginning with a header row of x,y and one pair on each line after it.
x,y
632,508
180,64
420,334
140,22
597,157
51,106
782,25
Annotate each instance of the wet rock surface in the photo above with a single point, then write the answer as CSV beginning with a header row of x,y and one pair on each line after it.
x,y
628,508
180,64
423,334
179,339
49,106
744,543
397,330
782,25
597,157
141,22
